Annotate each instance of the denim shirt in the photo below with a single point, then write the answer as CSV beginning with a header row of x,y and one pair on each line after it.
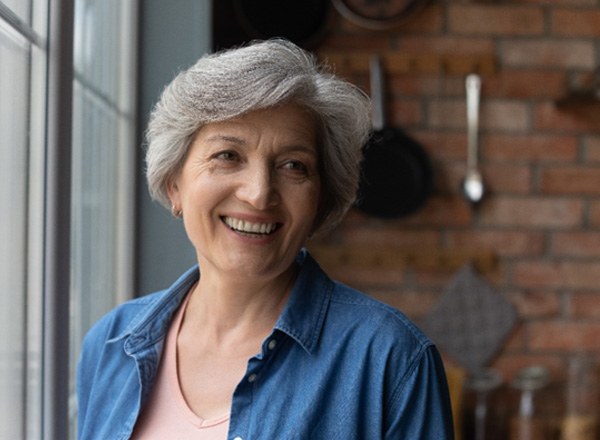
x,y
337,364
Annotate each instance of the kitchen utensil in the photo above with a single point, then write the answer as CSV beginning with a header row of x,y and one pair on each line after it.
x,y
470,321
396,174
582,97
303,22
378,14
472,186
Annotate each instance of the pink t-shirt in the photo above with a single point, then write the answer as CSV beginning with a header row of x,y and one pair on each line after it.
x,y
166,414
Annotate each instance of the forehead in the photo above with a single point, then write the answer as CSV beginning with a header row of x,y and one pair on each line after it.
x,y
287,123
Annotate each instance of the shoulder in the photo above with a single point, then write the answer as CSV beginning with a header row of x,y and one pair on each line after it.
x,y
123,318
379,317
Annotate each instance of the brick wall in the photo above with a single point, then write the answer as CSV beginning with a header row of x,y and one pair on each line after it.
x,y
541,218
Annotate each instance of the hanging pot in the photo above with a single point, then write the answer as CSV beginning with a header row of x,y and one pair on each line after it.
x,y
396,175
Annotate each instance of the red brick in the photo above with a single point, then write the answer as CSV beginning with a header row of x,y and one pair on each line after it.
x,y
403,113
442,211
530,148
592,148
576,244
495,115
561,2
423,85
442,145
531,212
515,341
448,177
415,304
364,277
550,54
446,44
564,336
525,84
532,304
594,214
571,180
507,179
585,305
429,20
579,23
557,275
380,234
547,117
503,20
503,243
499,178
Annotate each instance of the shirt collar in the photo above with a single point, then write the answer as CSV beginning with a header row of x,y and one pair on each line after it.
x,y
303,316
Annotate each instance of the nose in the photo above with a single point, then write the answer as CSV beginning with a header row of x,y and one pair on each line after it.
x,y
258,187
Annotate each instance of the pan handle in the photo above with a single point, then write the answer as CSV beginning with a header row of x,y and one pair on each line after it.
x,y
377,92
473,88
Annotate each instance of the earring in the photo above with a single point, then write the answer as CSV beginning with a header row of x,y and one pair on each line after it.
x,y
177,213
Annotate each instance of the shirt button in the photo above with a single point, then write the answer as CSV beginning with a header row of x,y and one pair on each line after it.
x,y
251,378
272,344
238,438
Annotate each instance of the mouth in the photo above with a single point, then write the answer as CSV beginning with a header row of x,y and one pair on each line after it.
x,y
250,229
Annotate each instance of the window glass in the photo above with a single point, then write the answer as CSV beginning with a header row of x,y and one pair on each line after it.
x,y
103,174
14,90
20,8
22,103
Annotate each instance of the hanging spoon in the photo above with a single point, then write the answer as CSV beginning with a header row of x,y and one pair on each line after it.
x,y
472,185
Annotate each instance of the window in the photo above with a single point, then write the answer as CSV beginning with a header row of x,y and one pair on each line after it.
x,y
22,101
103,165
101,193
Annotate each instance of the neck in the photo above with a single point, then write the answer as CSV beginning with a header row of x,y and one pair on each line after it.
x,y
226,310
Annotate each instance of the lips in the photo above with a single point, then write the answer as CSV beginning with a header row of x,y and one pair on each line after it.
x,y
251,228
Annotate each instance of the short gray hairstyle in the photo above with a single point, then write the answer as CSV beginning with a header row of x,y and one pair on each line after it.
x,y
263,74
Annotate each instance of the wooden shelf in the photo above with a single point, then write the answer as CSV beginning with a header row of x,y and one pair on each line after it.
x,y
390,257
403,63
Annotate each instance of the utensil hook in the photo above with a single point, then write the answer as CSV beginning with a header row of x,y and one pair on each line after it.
x,y
377,92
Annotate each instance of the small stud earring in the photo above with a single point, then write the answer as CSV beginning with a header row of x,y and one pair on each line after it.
x,y
177,213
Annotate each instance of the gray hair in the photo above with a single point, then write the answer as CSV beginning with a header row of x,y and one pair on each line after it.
x,y
265,74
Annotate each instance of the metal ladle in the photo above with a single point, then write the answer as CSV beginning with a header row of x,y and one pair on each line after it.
x,y
472,186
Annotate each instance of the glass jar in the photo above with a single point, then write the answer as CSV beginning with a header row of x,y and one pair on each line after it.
x,y
581,417
527,423
483,418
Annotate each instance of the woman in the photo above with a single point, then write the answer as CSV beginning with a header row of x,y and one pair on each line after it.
x,y
257,149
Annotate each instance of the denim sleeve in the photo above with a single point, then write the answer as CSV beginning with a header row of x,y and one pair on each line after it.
x,y
88,360
420,406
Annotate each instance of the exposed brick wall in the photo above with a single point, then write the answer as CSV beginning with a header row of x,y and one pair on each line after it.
x,y
542,165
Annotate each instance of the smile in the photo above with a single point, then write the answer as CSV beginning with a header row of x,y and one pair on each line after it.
x,y
251,228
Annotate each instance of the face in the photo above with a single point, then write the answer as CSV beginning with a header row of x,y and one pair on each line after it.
x,y
249,190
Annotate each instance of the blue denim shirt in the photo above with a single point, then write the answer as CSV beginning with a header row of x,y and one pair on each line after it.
x,y
338,364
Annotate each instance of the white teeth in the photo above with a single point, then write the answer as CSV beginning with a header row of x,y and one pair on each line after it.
x,y
252,228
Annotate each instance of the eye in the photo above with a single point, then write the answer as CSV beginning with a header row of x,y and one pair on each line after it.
x,y
296,166
226,156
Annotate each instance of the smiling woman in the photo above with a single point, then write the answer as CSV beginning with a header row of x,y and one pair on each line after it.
x,y
257,149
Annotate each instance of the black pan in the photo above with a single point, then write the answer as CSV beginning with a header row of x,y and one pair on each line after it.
x,y
302,22
396,174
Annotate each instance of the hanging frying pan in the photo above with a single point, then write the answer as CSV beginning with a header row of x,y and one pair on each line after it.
x,y
396,174
302,22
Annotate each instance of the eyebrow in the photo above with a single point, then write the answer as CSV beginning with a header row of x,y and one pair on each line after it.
x,y
226,138
239,141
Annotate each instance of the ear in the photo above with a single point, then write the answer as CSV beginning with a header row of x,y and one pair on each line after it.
x,y
173,192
